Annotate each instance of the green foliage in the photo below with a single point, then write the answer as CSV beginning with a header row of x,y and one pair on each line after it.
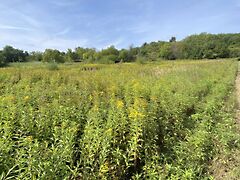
x,y
70,56
206,46
108,55
52,66
141,60
125,121
234,51
2,59
173,39
167,51
124,55
52,56
10,54
110,51
35,56
201,46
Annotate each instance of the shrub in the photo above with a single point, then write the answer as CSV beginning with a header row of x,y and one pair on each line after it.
x,y
52,66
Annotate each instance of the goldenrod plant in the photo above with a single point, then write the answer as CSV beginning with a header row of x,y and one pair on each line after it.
x,y
165,120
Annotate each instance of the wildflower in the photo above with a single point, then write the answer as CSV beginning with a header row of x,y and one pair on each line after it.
x,y
95,108
11,98
119,104
26,98
109,131
104,168
135,114
29,138
90,97
154,98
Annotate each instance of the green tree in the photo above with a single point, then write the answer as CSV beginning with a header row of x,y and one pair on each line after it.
x,y
14,55
123,55
2,59
52,55
173,39
234,51
133,53
80,51
110,51
71,56
168,51
109,55
36,56
89,55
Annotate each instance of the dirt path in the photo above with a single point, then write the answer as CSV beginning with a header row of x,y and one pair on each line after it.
x,y
237,83
233,161
227,167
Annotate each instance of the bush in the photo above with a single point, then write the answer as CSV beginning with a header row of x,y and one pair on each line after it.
x,y
52,66
2,60
141,60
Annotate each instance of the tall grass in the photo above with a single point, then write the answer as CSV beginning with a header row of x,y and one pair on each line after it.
x,y
126,121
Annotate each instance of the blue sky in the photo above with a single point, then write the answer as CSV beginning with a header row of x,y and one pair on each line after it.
x,y
61,24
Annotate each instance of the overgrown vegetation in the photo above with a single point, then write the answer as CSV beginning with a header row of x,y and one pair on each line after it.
x,y
202,46
122,121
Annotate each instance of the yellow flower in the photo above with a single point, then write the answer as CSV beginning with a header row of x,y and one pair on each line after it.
x,y
104,168
11,98
30,138
90,97
154,98
119,104
26,98
135,114
95,108
109,131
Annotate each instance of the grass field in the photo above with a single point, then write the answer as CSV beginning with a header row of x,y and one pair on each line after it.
x,y
165,120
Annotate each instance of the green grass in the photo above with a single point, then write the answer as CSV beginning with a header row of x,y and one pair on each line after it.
x,y
163,120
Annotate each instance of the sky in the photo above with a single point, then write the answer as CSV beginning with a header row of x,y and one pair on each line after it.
x,y
35,25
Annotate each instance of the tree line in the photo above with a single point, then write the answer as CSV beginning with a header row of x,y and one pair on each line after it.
x,y
200,46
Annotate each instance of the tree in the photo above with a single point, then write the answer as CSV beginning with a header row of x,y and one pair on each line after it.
x,y
36,56
173,39
2,59
123,55
133,53
89,55
52,55
168,51
80,51
234,51
150,50
110,51
71,56
109,55
11,54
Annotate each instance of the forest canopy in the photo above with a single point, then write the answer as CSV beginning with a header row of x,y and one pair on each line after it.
x,y
201,46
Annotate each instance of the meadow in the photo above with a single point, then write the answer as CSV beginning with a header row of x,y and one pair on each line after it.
x,y
165,120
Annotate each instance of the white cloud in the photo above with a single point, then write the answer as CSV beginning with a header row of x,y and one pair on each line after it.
x,y
8,27
63,3
63,32
29,20
63,44
24,29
